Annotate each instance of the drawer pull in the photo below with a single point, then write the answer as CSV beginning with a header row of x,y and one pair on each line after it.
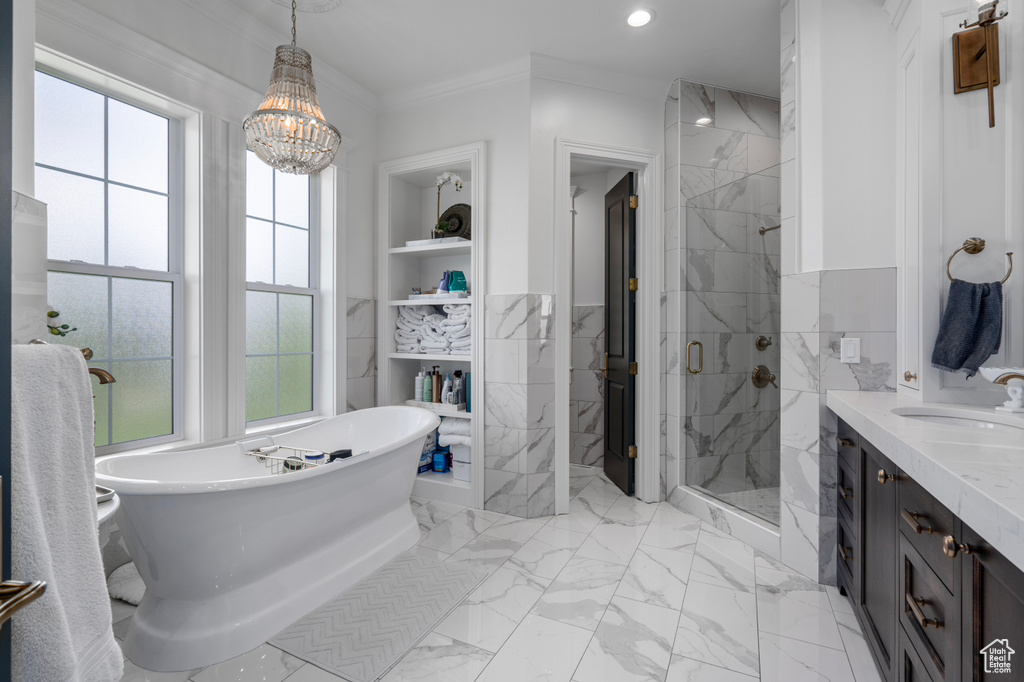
x,y
951,547
884,477
911,519
915,607
845,442
845,493
847,554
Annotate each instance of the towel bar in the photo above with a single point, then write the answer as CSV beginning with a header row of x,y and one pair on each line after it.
x,y
973,246
15,595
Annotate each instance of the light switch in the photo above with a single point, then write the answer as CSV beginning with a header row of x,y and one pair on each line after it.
x,y
849,351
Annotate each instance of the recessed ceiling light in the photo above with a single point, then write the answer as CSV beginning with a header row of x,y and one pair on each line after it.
x,y
703,121
639,18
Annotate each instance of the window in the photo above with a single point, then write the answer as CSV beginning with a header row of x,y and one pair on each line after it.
x,y
280,293
108,172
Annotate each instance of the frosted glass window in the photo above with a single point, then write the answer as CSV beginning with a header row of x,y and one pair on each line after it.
x,y
69,126
137,228
74,215
104,168
281,294
137,147
292,257
259,251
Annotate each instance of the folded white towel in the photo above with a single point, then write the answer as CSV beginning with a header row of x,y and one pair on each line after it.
x,y
415,313
403,336
430,345
461,351
446,439
461,343
454,426
463,333
126,584
457,309
65,635
407,326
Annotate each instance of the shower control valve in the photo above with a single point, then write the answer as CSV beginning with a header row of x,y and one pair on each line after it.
x,y
763,342
762,376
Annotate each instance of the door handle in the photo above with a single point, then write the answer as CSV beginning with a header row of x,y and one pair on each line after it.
x,y
915,608
700,357
15,596
605,368
912,519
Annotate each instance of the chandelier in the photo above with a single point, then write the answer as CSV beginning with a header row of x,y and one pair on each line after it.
x,y
288,131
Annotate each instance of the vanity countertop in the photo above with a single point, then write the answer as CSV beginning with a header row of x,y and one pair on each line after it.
x,y
976,472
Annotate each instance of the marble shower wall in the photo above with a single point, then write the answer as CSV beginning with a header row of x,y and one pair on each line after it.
x,y
586,395
818,310
721,286
519,420
28,269
361,363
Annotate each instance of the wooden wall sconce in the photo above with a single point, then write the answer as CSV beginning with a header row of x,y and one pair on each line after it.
x,y
976,54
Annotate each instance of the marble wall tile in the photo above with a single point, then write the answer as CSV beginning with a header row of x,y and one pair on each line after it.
x,y
787,189
787,24
540,316
787,132
764,154
713,312
696,103
827,538
827,477
587,385
505,405
863,299
799,539
763,313
574,416
591,417
671,265
505,316
362,393
587,353
711,394
754,194
505,492
799,482
799,370
715,230
672,187
763,472
694,181
672,104
698,434
712,148
699,270
540,451
799,419
588,321
587,449
670,354
718,473
361,318
875,372
362,358
541,495
769,243
787,74
800,302
501,357
732,353
724,177
28,269
740,272
746,113
672,228
540,408
672,145
539,363
504,449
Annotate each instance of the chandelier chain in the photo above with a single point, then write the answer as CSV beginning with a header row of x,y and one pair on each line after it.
x,y
293,22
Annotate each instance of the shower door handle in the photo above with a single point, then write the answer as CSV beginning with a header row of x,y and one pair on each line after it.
x,y
700,357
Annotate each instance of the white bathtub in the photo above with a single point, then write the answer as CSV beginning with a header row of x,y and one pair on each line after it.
x,y
231,555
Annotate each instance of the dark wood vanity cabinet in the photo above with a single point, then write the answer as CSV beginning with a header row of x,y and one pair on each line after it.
x,y
929,593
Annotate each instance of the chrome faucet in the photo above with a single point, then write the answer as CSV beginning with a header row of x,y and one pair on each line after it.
x,y
105,376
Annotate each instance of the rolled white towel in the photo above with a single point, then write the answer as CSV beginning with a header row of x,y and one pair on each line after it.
x,y
459,333
460,351
408,348
444,440
457,309
454,426
402,335
461,343
408,326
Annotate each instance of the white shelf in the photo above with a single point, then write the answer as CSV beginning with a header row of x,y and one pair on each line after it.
x,y
432,301
434,250
432,358
440,410
443,487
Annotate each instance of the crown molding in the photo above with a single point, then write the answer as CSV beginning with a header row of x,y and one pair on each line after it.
x,y
896,9
507,72
562,71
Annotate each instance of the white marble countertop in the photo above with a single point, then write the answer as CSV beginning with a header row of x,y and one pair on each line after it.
x,y
978,473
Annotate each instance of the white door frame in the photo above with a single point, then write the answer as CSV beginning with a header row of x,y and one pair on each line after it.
x,y
650,222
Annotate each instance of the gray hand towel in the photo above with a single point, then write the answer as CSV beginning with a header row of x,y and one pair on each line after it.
x,y
971,327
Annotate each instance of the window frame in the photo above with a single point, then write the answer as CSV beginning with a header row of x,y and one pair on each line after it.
x,y
174,274
312,289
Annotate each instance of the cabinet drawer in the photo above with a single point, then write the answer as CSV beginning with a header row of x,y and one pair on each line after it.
x,y
847,496
929,614
848,446
848,570
911,667
926,523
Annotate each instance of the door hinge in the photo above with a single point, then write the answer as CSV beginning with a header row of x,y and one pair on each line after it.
x,y
633,369
632,452
634,284
634,202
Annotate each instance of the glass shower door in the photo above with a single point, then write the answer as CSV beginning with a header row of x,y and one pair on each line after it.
x,y
730,251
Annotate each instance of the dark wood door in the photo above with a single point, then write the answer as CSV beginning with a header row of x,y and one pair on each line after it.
x,y
879,556
620,334
992,593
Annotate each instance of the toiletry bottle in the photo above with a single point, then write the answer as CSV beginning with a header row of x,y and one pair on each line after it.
x,y
428,389
469,391
446,390
457,387
437,384
418,387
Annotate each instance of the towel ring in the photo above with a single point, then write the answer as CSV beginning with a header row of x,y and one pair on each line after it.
x,y
976,245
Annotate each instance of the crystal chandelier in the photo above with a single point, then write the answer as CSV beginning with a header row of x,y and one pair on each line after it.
x,y
288,131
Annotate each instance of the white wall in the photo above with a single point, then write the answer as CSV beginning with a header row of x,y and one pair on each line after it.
x,y
23,100
846,136
588,245
570,111
500,116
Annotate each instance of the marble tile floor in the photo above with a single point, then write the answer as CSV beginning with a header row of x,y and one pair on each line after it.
x,y
615,591
762,503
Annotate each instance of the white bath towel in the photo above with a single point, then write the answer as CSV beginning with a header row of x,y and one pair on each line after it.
x,y
126,584
408,326
454,333
461,351
457,310
462,343
66,635
456,427
446,439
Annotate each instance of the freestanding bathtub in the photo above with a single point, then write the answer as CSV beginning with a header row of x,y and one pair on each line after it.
x,y
232,554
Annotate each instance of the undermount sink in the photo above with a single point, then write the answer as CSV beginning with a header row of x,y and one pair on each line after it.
x,y
951,416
